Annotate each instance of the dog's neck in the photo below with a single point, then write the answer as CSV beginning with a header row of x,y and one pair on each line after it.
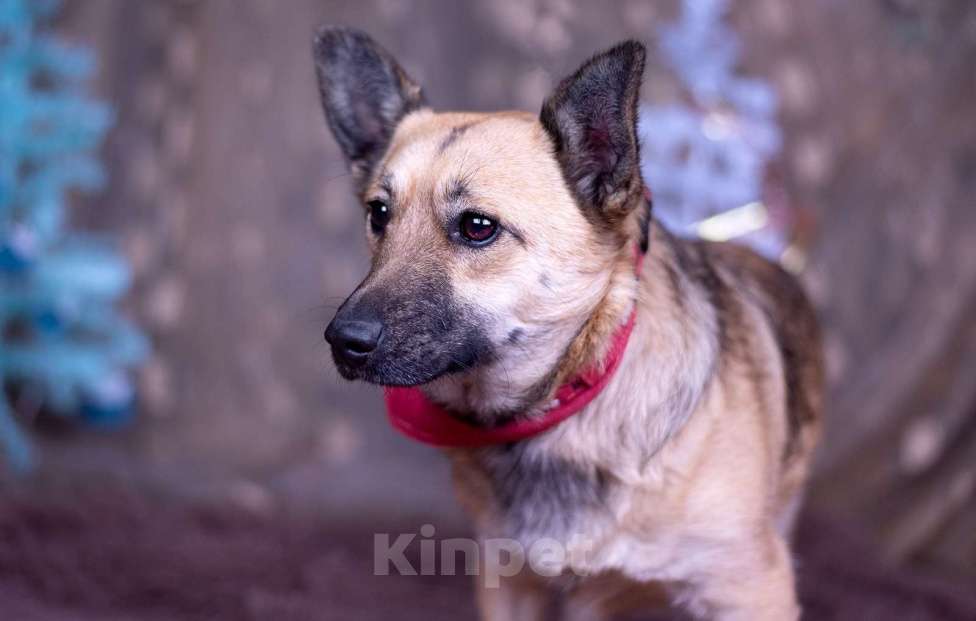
x,y
589,348
665,375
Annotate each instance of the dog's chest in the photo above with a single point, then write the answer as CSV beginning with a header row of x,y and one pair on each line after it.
x,y
542,495
583,514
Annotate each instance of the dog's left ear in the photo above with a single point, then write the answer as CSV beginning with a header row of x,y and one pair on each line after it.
x,y
592,119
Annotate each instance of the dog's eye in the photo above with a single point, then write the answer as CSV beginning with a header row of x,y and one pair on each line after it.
x,y
379,215
477,229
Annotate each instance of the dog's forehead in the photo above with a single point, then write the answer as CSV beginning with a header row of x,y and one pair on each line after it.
x,y
434,151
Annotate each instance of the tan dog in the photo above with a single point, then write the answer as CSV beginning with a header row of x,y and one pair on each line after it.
x,y
502,264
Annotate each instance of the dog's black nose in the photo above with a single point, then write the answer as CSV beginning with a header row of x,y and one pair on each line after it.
x,y
353,341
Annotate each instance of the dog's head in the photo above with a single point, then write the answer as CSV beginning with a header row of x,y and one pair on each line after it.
x,y
494,237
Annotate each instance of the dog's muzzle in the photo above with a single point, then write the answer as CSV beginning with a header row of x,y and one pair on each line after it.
x,y
405,334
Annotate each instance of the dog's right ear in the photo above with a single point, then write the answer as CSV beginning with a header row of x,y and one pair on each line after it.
x,y
365,94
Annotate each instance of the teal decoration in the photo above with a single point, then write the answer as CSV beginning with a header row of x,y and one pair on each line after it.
x,y
61,340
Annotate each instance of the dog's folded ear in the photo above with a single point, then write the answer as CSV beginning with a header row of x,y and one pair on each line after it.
x,y
592,119
365,94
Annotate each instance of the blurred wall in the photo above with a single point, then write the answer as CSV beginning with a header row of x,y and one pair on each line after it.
x,y
231,200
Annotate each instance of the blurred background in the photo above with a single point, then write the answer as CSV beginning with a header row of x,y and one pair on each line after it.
x,y
234,475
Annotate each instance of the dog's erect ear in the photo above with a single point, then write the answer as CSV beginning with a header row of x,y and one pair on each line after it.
x,y
592,119
365,93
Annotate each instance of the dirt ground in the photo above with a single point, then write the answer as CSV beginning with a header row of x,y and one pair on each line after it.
x,y
108,552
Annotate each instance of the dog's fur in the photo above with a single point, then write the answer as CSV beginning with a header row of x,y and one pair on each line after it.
x,y
683,476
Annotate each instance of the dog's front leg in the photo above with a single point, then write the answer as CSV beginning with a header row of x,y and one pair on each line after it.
x,y
756,584
502,596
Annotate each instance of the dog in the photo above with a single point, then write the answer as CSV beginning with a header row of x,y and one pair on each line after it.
x,y
510,252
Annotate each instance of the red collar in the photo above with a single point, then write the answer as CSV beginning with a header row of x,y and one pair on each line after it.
x,y
417,417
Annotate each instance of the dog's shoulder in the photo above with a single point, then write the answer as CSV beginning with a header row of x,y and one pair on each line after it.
x,y
791,319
